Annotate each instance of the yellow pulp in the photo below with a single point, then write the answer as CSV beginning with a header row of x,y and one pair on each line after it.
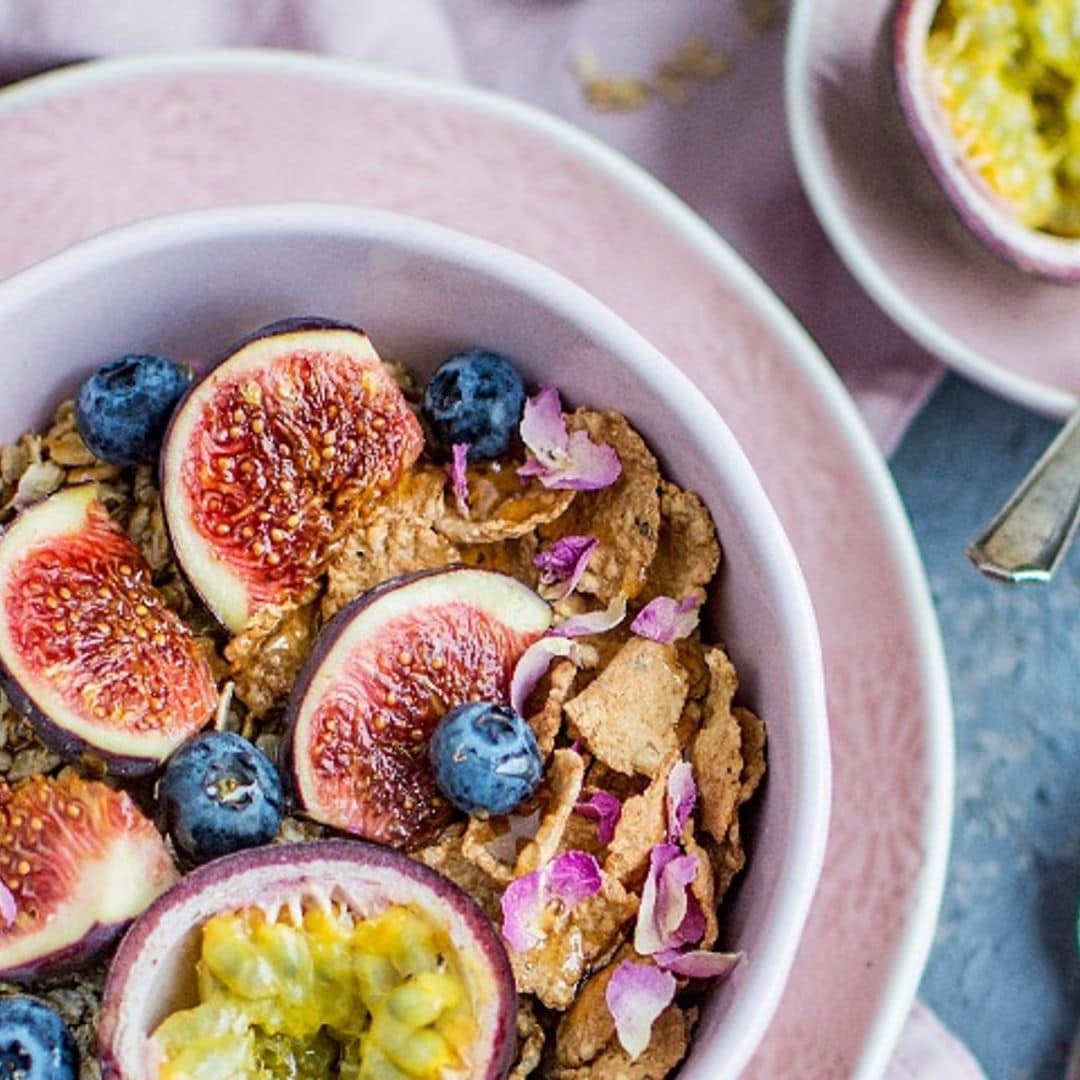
x,y
381,998
1007,73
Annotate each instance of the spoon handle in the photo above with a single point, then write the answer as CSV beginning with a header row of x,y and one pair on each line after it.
x,y
1032,531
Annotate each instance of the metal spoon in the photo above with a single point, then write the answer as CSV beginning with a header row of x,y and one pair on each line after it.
x,y
1028,538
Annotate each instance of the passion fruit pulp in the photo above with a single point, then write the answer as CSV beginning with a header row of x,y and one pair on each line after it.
x,y
78,862
384,672
273,455
989,90
320,956
91,655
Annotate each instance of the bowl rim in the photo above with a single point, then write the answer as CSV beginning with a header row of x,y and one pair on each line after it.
x,y
752,1008
811,162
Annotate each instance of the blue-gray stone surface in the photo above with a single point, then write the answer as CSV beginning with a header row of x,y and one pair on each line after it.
x,y
1003,973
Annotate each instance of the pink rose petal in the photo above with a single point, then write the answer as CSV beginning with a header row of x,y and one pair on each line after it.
x,y
593,622
459,477
8,907
698,963
569,879
636,995
574,876
605,809
561,459
666,621
533,665
669,915
543,426
681,797
562,565
522,905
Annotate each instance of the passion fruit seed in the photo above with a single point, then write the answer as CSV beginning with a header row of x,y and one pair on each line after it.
x,y
93,656
385,986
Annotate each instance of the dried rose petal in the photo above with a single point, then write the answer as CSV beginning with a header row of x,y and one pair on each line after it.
x,y
593,622
669,915
698,963
562,459
8,909
459,477
574,876
681,797
522,910
533,665
636,995
569,879
605,809
666,621
562,565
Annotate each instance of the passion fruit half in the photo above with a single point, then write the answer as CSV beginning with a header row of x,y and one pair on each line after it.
x,y
272,456
385,670
78,862
991,94
90,653
312,957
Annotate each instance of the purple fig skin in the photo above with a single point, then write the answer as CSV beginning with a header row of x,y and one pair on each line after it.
x,y
296,858
292,325
78,954
979,221
68,745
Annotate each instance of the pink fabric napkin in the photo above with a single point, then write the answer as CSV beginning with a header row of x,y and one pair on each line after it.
x,y
724,150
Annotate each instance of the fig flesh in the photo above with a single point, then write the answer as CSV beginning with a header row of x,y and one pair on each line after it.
x,y
317,896
90,653
78,862
384,672
272,456
986,93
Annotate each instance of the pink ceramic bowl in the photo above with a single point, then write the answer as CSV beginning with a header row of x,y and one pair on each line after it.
x,y
189,285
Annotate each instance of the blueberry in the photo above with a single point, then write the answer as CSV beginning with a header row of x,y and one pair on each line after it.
x,y
219,794
35,1043
123,408
475,397
485,758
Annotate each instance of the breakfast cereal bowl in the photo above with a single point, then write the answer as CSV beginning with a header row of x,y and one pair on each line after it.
x,y
188,286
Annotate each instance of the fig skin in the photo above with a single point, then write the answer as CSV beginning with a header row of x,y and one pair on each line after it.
x,y
1032,253
313,668
285,870
169,485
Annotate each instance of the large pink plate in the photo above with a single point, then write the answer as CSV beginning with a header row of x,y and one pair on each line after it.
x,y
104,144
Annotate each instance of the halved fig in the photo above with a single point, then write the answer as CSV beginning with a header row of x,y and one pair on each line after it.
x,y
988,92
90,653
345,956
273,454
385,670
78,862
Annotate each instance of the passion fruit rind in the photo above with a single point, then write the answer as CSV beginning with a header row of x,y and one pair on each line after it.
x,y
115,636
387,791
152,972
272,454
938,168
